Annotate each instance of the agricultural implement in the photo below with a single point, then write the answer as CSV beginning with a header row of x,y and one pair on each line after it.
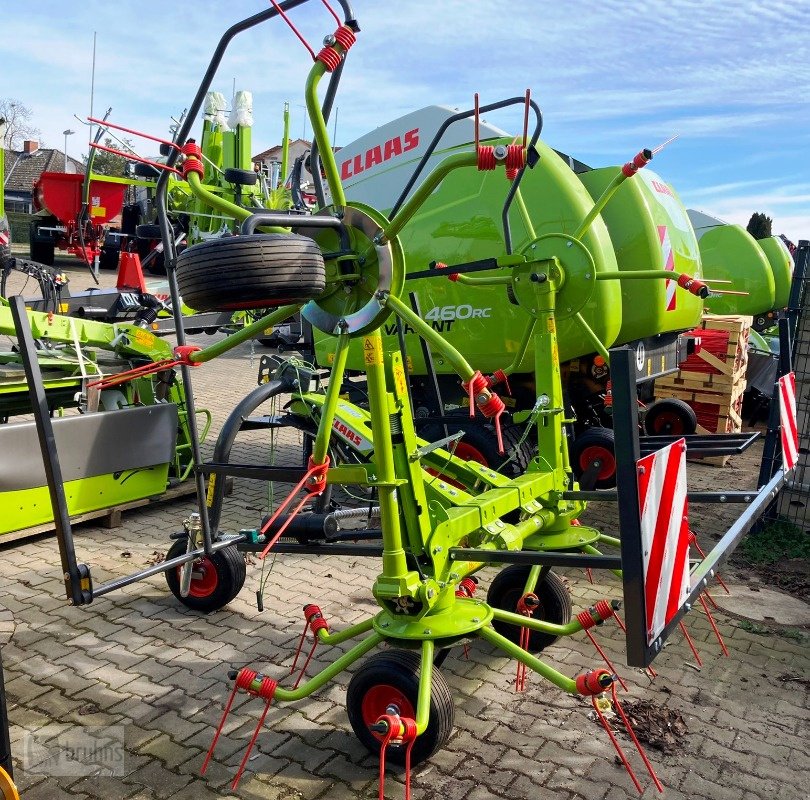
x,y
441,518
130,442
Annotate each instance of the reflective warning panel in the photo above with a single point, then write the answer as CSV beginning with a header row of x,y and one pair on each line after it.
x,y
664,534
787,419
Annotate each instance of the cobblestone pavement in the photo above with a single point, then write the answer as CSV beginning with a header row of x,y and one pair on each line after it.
x,y
155,673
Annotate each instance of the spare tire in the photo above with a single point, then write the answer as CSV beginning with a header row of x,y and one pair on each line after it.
x,y
256,271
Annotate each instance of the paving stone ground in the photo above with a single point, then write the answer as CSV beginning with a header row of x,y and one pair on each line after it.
x,y
154,674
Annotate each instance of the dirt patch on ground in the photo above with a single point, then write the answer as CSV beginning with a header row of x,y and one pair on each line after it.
x,y
656,726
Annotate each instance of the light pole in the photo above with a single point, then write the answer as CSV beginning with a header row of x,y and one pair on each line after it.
x,y
66,134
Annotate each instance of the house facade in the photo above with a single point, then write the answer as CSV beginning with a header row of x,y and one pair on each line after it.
x,y
23,168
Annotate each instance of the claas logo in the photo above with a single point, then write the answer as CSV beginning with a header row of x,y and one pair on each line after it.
x,y
379,154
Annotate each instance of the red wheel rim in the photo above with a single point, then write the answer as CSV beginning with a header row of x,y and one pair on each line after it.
x,y
466,452
206,584
597,452
378,698
669,422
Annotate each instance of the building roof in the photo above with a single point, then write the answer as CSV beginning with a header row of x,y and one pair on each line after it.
x,y
276,150
23,169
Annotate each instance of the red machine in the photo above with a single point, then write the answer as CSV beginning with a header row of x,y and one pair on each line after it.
x,y
72,224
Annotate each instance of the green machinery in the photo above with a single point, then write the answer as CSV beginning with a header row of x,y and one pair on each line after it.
x,y
344,270
132,439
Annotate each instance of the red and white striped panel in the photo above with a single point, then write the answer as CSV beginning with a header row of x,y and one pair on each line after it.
x,y
664,534
3,238
787,419
668,260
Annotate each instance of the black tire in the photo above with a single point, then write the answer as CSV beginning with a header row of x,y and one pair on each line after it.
x,y
240,177
395,674
145,171
590,444
42,252
480,442
506,590
670,417
238,272
223,577
148,232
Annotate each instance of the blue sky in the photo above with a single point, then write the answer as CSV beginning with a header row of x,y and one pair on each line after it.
x,y
732,79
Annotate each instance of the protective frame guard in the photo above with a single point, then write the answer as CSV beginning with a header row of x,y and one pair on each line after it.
x,y
390,262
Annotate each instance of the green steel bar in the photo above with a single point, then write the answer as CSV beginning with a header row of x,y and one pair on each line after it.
x,y
338,637
514,651
321,447
321,135
248,332
285,146
524,213
493,280
394,563
221,204
522,348
326,675
639,274
532,578
588,548
457,361
612,540
569,629
425,189
595,340
599,205
425,681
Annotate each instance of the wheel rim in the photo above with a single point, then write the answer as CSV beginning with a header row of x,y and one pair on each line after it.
x,y
206,584
669,422
377,699
466,452
597,452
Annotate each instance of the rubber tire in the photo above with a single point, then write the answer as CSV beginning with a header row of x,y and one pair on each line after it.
x,y
555,603
42,253
148,232
481,436
240,177
259,271
231,572
401,669
593,437
684,416
140,170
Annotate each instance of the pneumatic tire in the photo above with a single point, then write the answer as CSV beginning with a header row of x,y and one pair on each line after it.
x,y
258,271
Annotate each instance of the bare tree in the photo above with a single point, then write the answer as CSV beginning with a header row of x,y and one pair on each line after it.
x,y
18,123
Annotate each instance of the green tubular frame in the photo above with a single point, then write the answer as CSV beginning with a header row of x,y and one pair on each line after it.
x,y
422,516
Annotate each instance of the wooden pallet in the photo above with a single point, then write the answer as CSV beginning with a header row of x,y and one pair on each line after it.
x,y
112,516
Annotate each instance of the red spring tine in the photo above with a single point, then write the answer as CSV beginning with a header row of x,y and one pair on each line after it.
x,y
131,157
250,745
712,623
134,132
615,742
526,118
303,41
636,742
331,11
219,729
690,643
